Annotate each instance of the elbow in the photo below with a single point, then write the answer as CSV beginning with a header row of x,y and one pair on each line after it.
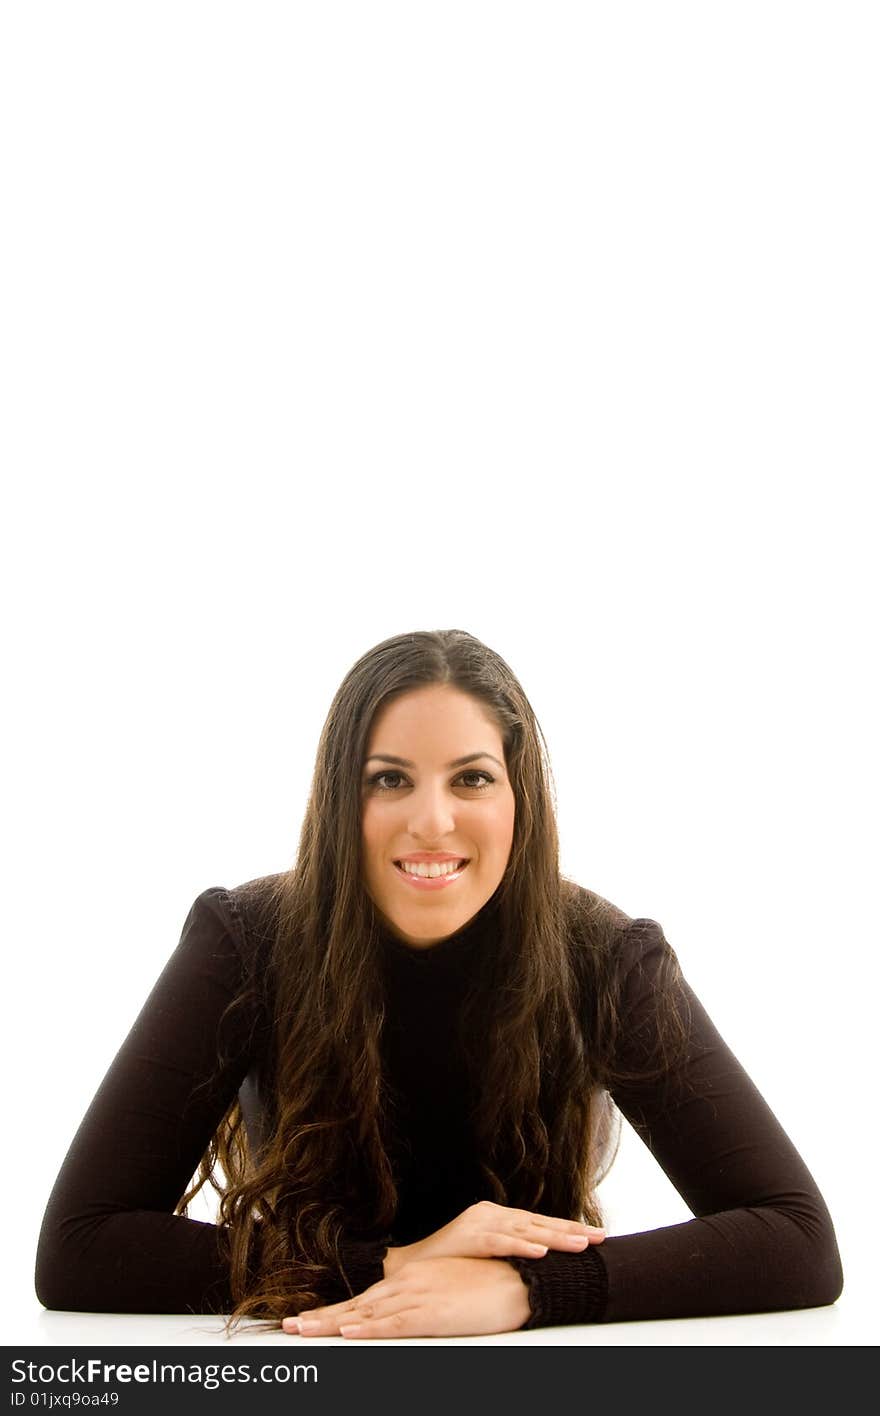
x,y
61,1276
817,1279
50,1288
54,1279
826,1283
52,1294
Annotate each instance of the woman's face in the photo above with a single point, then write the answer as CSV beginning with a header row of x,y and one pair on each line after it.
x,y
419,797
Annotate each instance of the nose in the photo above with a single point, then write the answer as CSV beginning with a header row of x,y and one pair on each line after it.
x,y
431,814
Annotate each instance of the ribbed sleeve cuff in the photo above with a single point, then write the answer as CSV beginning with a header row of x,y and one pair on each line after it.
x,y
564,1288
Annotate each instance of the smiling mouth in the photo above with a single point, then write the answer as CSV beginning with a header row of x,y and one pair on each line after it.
x,y
456,867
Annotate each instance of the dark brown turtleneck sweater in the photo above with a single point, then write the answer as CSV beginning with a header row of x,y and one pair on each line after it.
x,y
761,1238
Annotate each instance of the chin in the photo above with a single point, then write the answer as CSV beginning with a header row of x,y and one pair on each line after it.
x,y
435,924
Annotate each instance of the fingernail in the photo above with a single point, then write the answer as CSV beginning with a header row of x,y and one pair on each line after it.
x,y
309,1325
349,1329
290,1324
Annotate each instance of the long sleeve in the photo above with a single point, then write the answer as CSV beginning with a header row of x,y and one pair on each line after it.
x,y
110,1241
761,1237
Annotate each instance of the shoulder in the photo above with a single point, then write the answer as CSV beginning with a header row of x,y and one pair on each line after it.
x,y
255,902
644,952
594,926
626,941
601,932
629,972
585,906
242,914
637,1004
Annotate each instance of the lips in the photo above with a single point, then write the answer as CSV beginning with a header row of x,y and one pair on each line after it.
x,y
427,858
431,884
460,861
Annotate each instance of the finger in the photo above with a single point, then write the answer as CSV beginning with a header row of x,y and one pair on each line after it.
x,y
318,1317
554,1232
382,1289
332,1326
525,1219
318,1322
576,1238
404,1322
500,1245
318,1326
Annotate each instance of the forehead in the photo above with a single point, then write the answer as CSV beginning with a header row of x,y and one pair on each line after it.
x,y
437,713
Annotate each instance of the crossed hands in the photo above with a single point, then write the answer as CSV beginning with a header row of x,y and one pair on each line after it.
x,y
450,1284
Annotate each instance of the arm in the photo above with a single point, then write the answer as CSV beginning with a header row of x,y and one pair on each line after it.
x,y
762,1237
110,1241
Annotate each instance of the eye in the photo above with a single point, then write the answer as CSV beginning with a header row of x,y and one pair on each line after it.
x,y
379,777
375,781
487,782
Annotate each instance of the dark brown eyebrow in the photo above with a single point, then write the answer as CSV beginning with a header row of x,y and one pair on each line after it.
x,y
459,761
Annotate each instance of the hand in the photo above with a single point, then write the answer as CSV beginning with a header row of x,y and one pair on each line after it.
x,y
486,1230
427,1298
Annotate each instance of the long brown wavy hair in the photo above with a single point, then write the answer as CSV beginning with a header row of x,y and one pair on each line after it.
x,y
544,1011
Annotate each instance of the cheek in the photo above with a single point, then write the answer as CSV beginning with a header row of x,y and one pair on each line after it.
x,y
369,832
378,829
498,830
506,830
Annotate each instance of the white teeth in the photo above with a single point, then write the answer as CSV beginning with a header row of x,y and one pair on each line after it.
x,y
429,871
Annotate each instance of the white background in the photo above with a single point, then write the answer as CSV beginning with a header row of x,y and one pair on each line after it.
x,y
552,322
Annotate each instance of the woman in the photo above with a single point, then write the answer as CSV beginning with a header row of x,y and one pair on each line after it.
x,y
403,1078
